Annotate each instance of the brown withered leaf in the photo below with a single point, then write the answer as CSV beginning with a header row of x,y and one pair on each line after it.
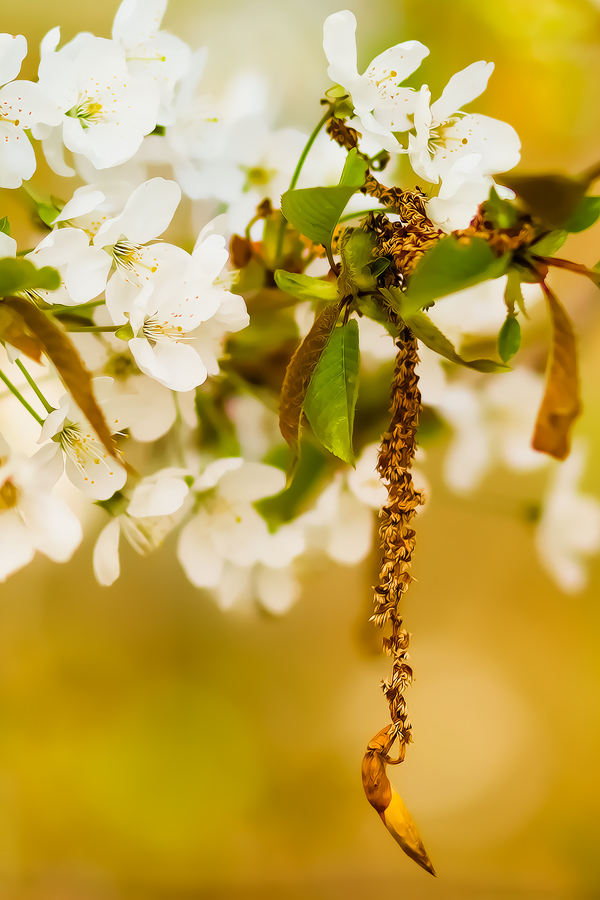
x,y
390,806
240,250
77,379
300,371
14,331
561,404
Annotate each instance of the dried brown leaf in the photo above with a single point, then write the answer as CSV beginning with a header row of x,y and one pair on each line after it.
x,y
300,371
561,404
77,379
14,331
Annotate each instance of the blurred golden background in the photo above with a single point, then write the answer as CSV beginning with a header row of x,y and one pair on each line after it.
x,y
154,747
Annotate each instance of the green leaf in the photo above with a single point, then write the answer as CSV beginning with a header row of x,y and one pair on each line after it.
x,y
509,338
552,198
500,212
304,287
22,275
586,214
331,396
425,330
561,404
451,265
315,211
77,379
354,171
356,251
300,371
549,243
5,225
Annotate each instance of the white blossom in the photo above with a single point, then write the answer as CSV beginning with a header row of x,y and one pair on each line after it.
x,y
31,518
87,462
105,110
155,508
227,546
23,104
381,104
150,52
569,528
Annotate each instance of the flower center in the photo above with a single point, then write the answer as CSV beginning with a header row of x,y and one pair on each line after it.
x,y
439,137
257,176
9,495
83,449
127,255
87,111
156,330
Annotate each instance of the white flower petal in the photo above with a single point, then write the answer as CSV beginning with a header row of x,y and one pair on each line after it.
x,y
16,546
250,482
196,553
173,363
463,87
147,213
162,498
13,50
54,529
277,589
106,554
339,44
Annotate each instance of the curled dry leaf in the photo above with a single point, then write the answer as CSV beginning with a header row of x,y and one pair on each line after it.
x,y
14,331
390,806
561,404
300,371
61,352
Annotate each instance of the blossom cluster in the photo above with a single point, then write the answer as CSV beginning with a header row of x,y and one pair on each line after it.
x,y
158,325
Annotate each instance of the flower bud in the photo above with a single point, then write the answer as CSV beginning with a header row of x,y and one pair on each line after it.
x,y
382,796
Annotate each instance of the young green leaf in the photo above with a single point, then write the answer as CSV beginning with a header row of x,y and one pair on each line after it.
x,y
451,265
308,477
300,371
586,214
315,211
500,212
354,171
561,404
76,378
304,287
331,396
356,251
549,243
22,275
424,329
5,225
509,338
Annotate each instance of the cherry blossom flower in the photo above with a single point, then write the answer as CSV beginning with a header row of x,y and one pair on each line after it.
x,y
382,106
569,528
460,150
152,53
105,110
87,463
156,506
227,546
168,342
23,104
82,268
31,518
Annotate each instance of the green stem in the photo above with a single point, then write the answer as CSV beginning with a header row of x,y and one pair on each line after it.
x,y
297,172
59,310
20,398
93,329
34,387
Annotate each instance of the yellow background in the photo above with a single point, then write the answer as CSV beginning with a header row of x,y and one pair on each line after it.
x,y
152,747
